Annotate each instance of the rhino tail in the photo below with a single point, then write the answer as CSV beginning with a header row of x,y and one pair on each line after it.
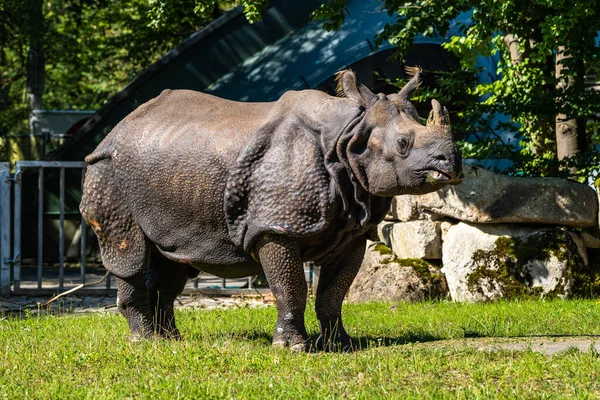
x,y
104,151
98,155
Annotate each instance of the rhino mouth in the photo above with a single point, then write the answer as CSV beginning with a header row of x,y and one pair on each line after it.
x,y
439,177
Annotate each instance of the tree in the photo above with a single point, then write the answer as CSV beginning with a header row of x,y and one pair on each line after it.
x,y
546,49
92,48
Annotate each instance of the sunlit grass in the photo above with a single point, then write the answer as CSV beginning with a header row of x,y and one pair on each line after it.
x,y
227,354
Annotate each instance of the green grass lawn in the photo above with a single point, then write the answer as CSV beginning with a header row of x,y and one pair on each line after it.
x,y
407,351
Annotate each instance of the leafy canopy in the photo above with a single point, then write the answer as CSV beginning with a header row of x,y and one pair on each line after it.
x,y
525,36
92,48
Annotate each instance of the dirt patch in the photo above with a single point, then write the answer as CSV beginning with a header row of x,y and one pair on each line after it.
x,y
85,304
548,345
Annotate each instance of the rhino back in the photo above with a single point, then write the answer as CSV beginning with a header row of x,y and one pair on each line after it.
x,y
171,158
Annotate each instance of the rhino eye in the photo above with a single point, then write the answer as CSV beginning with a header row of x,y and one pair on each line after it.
x,y
403,146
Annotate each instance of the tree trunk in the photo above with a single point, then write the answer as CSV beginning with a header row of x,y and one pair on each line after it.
x,y
570,133
538,144
35,64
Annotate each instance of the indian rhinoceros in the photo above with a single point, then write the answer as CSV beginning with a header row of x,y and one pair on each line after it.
x,y
190,182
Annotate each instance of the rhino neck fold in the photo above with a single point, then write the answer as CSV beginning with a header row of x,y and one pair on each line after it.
x,y
348,175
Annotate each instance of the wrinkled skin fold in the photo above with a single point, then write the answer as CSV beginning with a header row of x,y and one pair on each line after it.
x,y
189,182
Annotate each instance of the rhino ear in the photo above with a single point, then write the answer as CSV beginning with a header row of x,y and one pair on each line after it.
x,y
348,86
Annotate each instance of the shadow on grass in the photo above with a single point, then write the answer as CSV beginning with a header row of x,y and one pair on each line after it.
x,y
368,342
361,343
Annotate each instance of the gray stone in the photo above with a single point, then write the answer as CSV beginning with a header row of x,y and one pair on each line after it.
x,y
596,185
404,208
383,278
578,240
591,240
488,262
413,239
487,197
444,227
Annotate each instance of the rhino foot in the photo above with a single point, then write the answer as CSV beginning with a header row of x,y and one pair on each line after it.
x,y
296,340
334,343
301,347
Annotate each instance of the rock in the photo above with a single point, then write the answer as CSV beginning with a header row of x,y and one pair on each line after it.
x,y
591,240
488,262
404,208
413,239
383,277
444,227
596,185
407,208
581,249
487,197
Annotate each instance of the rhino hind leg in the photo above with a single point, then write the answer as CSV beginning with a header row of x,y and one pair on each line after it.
x,y
334,281
280,258
166,280
123,246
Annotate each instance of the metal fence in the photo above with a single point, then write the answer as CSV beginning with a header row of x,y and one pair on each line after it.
x,y
5,229
42,167
46,269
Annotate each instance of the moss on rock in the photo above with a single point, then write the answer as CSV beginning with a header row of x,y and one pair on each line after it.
x,y
505,267
425,271
382,249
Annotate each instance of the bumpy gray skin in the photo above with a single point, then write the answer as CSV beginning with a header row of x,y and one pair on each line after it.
x,y
191,182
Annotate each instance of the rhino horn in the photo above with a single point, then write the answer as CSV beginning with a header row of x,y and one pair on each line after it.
x,y
439,119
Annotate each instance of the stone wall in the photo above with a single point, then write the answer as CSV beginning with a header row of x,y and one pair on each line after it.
x,y
494,236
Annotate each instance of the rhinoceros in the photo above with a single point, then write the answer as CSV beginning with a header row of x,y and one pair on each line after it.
x,y
190,182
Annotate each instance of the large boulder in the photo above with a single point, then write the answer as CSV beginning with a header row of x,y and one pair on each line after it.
x,y
383,277
488,262
487,197
412,239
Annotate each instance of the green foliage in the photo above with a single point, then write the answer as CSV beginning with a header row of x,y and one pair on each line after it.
x,y
92,48
526,89
14,23
332,13
252,9
205,9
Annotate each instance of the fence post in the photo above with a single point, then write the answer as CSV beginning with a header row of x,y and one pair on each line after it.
x,y
5,229
16,255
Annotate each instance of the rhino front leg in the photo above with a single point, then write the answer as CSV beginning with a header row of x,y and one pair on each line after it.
x,y
334,281
280,259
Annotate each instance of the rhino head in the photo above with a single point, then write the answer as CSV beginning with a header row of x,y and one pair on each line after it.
x,y
393,153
